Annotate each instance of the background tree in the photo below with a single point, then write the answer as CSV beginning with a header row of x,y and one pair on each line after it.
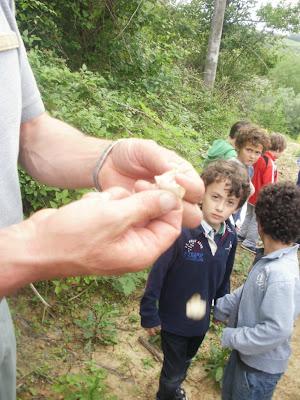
x,y
214,43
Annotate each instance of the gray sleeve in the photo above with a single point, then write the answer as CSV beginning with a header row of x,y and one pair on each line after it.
x,y
32,104
226,306
277,318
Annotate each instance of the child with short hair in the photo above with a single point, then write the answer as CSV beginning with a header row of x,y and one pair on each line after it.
x,y
261,313
200,262
265,172
250,143
222,149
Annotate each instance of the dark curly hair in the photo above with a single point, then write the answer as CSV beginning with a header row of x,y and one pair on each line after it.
x,y
231,171
252,134
235,129
278,211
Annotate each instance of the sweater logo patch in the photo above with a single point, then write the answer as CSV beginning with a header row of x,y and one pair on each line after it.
x,y
261,280
193,250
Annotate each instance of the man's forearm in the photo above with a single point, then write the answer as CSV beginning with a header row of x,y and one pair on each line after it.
x,y
17,266
25,258
57,154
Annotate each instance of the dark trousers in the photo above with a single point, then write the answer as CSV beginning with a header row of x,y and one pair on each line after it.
x,y
178,353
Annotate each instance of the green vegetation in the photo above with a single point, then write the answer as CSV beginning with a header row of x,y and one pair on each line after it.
x,y
215,363
87,385
98,325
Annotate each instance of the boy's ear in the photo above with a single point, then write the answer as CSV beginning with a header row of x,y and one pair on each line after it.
x,y
260,231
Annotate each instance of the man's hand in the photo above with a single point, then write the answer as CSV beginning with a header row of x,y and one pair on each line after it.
x,y
140,160
101,234
58,155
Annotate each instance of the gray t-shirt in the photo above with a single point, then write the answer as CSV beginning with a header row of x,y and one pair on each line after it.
x,y
19,102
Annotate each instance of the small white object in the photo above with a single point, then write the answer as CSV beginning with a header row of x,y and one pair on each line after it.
x,y
196,307
167,181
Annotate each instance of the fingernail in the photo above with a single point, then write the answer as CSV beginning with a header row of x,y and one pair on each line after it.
x,y
168,201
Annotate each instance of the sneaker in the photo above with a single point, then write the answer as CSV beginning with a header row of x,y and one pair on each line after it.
x,y
180,394
252,249
240,238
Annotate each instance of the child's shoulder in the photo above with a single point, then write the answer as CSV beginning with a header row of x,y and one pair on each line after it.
x,y
284,267
220,149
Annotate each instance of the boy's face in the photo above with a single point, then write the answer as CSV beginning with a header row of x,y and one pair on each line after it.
x,y
218,205
276,153
250,153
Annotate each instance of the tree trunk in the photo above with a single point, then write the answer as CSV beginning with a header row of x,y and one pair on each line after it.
x,y
212,56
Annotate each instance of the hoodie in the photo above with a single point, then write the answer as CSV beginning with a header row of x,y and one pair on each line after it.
x,y
264,310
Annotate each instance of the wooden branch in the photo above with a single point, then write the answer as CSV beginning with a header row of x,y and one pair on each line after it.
x,y
130,19
115,372
156,354
39,296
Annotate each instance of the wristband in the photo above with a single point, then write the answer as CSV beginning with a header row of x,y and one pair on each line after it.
x,y
100,163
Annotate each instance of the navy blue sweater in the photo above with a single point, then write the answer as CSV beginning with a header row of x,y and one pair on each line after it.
x,y
188,267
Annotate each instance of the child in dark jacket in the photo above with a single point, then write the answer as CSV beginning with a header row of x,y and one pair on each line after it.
x,y
200,262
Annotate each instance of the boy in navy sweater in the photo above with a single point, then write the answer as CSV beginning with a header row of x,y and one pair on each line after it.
x,y
199,262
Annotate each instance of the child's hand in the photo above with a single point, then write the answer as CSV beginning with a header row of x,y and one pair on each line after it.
x,y
153,331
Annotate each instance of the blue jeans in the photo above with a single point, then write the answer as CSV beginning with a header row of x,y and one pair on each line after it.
x,y
178,353
241,382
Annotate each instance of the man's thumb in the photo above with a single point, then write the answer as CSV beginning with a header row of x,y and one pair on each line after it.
x,y
150,204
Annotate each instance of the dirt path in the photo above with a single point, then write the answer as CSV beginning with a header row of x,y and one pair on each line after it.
x,y
137,382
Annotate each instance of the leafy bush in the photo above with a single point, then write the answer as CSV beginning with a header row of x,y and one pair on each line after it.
x,y
98,326
286,72
128,283
275,109
215,363
86,385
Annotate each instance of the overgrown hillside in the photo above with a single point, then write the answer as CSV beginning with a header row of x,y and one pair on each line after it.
x,y
115,68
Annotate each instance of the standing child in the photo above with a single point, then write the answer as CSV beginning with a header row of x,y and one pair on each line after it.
x,y
250,143
222,149
199,262
265,307
265,172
